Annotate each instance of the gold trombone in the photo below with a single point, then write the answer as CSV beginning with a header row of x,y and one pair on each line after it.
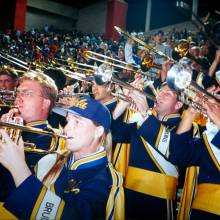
x,y
181,50
147,63
76,66
147,46
17,62
14,131
71,74
105,75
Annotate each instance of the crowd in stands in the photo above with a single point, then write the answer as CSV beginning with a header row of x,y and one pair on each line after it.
x,y
48,42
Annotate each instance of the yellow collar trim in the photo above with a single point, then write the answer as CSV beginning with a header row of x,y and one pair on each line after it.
x,y
89,159
34,123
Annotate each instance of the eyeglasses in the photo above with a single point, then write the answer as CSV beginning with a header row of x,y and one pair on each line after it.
x,y
26,94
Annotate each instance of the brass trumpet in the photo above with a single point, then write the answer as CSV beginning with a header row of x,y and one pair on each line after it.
x,y
14,131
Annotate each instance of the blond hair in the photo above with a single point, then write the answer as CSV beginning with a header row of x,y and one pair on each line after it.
x,y
47,84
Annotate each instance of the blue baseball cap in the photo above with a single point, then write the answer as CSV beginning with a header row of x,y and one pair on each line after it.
x,y
90,108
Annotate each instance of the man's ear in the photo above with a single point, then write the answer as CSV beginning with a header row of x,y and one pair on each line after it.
x,y
46,103
99,131
112,87
178,105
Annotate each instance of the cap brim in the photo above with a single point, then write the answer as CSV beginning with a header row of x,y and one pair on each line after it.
x,y
60,111
63,111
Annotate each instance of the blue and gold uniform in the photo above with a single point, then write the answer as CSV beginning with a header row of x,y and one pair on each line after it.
x,y
151,180
87,188
203,152
120,150
152,89
43,142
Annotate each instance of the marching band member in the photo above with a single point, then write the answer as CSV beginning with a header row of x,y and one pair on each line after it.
x,y
154,87
151,180
81,186
8,79
118,151
35,97
203,152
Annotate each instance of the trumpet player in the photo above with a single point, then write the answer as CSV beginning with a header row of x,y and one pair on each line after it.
x,y
35,97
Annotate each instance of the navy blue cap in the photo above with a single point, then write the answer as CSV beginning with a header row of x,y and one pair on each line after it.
x,y
90,108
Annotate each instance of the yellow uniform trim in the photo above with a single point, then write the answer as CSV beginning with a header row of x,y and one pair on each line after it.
x,y
208,198
189,189
87,159
176,115
210,152
34,123
60,210
115,204
5,214
121,157
52,188
159,135
38,202
151,156
151,183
